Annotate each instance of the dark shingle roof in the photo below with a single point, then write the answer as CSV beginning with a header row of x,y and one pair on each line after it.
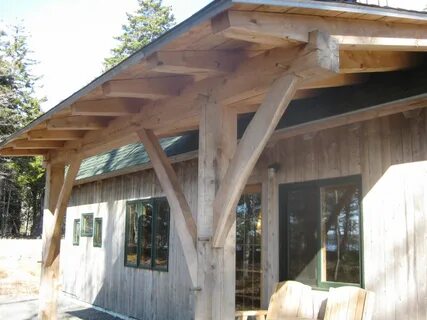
x,y
134,155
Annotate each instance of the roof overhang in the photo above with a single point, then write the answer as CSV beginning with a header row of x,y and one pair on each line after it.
x,y
222,42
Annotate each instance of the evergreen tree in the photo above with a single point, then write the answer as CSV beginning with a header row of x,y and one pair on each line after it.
x,y
21,179
150,21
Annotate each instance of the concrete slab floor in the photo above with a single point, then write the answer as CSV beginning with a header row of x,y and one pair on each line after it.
x,y
26,308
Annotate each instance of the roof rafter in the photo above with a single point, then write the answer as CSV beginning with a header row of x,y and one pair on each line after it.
x,y
26,144
195,63
108,107
77,123
61,135
153,89
10,152
281,29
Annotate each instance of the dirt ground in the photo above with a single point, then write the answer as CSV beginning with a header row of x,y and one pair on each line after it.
x,y
20,276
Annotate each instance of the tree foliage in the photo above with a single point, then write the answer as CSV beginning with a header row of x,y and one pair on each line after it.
x,y
151,20
21,179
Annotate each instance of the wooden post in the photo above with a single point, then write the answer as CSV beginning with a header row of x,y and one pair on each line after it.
x,y
49,275
216,266
180,209
59,190
271,218
250,147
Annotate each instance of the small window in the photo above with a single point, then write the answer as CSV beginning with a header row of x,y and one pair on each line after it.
x,y
147,234
87,225
76,232
321,232
97,232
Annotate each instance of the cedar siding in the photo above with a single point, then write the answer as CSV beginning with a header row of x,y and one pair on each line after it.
x,y
389,153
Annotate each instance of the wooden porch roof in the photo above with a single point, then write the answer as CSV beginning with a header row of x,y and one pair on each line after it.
x,y
235,48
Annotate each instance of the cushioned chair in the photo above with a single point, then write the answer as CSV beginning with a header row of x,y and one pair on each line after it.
x,y
350,303
291,299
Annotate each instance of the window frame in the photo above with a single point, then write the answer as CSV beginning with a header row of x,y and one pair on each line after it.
x,y
155,204
82,232
76,233
95,229
284,228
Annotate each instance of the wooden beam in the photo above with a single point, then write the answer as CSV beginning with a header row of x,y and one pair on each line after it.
x,y
55,135
248,150
252,104
365,114
335,80
53,236
52,240
381,110
114,107
48,293
182,113
77,123
217,143
351,34
180,209
377,61
153,89
10,152
193,63
25,144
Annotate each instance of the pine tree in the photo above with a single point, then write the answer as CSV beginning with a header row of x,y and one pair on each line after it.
x,y
150,21
21,179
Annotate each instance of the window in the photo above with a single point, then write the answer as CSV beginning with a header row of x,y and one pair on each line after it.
x,y
248,250
97,232
76,232
87,225
320,238
147,234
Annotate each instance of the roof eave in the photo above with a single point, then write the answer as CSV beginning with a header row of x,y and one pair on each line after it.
x,y
328,5
204,14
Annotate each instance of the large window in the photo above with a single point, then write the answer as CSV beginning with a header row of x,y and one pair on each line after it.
x,y
320,238
147,234
248,250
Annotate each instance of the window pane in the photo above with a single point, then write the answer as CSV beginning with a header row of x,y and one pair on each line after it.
x,y
340,233
302,210
97,232
76,232
145,233
87,224
248,252
161,234
131,234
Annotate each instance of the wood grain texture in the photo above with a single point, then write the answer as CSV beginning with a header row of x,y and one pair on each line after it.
x,y
98,275
389,152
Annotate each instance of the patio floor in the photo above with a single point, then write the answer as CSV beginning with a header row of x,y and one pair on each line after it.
x,y
26,308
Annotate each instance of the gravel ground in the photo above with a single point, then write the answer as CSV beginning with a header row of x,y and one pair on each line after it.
x,y
25,308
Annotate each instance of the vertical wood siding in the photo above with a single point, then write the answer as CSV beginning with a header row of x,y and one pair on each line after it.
x,y
390,155
98,275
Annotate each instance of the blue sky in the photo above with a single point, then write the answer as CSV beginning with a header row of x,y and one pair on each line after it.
x,y
70,38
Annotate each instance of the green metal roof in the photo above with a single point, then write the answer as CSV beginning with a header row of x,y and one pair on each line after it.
x,y
133,155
